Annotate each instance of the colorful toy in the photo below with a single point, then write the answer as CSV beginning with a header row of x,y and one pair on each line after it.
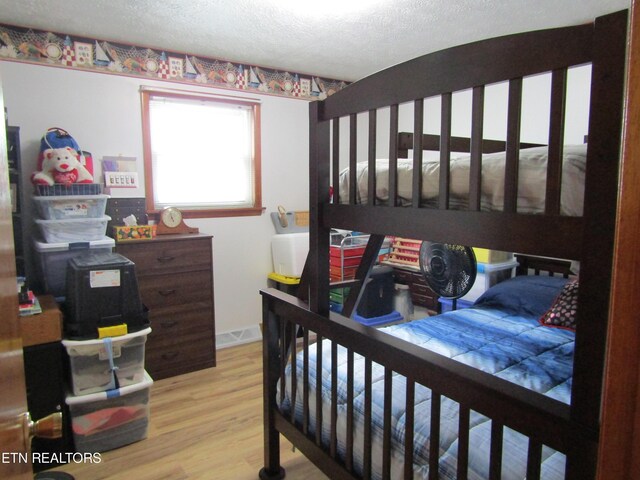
x,y
61,165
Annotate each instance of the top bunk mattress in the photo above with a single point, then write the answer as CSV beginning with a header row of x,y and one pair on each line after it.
x,y
532,169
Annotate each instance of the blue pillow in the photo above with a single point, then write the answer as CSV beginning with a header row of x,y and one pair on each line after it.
x,y
525,296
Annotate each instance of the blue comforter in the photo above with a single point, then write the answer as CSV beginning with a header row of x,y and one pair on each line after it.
x,y
511,346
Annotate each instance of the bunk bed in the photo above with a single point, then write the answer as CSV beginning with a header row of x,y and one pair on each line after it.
x,y
367,403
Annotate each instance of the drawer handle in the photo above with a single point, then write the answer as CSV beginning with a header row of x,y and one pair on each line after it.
x,y
169,324
166,293
169,356
166,258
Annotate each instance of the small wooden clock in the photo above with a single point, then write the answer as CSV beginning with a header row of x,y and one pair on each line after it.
x,y
172,222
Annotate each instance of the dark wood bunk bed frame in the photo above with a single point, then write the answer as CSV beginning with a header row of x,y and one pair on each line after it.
x,y
289,321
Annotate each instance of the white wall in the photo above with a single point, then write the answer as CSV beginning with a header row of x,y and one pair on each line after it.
x,y
102,112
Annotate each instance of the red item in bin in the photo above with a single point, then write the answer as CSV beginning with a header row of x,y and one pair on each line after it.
x,y
343,273
336,251
347,261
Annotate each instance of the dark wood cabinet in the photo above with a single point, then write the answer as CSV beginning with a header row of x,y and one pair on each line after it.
x,y
421,293
17,196
45,375
175,278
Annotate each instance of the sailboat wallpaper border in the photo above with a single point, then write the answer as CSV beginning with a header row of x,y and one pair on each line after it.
x,y
81,53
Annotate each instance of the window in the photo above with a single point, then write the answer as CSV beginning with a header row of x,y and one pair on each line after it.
x,y
201,154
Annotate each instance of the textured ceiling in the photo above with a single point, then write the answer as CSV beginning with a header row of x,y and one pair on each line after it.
x,y
331,38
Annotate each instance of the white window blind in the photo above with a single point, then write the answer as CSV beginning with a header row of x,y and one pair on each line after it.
x,y
202,152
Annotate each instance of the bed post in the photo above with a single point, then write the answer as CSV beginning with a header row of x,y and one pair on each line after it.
x,y
601,185
317,267
270,374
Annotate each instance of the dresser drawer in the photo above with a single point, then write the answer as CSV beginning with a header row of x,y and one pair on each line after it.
x,y
160,291
418,279
175,324
402,276
421,289
424,301
164,257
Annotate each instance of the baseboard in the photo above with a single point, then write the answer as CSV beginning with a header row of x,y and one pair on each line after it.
x,y
238,337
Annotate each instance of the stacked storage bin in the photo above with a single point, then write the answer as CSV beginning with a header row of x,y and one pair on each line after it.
x,y
105,323
71,221
106,328
109,404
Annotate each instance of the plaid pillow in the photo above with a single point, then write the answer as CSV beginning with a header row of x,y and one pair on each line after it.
x,y
563,311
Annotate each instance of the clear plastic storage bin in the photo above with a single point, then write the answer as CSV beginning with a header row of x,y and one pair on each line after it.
x,y
73,229
71,206
97,364
52,259
107,420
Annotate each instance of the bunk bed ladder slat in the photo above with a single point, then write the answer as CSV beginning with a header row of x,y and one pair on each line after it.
x,y
445,150
434,436
353,157
408,433
305,384
371,180
495,461
534,460
463,442
556,140
318,391
333,435
292,331
386,430
513,146
349,432
393,155
418,122
366,461
283,357
475,167
335,159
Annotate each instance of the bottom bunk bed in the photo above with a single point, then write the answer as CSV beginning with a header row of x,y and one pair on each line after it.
x,y
398,418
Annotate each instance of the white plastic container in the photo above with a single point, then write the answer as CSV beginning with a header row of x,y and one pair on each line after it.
x,y
488,275
93,361
289,251
71,206
73,229
107,420
52,261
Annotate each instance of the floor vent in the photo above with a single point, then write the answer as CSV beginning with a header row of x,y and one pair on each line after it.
x,y
238,337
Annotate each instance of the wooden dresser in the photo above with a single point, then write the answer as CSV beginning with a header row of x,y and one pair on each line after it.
x,y
175,278
421,293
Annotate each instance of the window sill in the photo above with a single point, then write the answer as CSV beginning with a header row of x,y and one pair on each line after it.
x,y
224,212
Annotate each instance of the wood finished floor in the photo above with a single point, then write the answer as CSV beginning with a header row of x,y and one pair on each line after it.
x,y
203,425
